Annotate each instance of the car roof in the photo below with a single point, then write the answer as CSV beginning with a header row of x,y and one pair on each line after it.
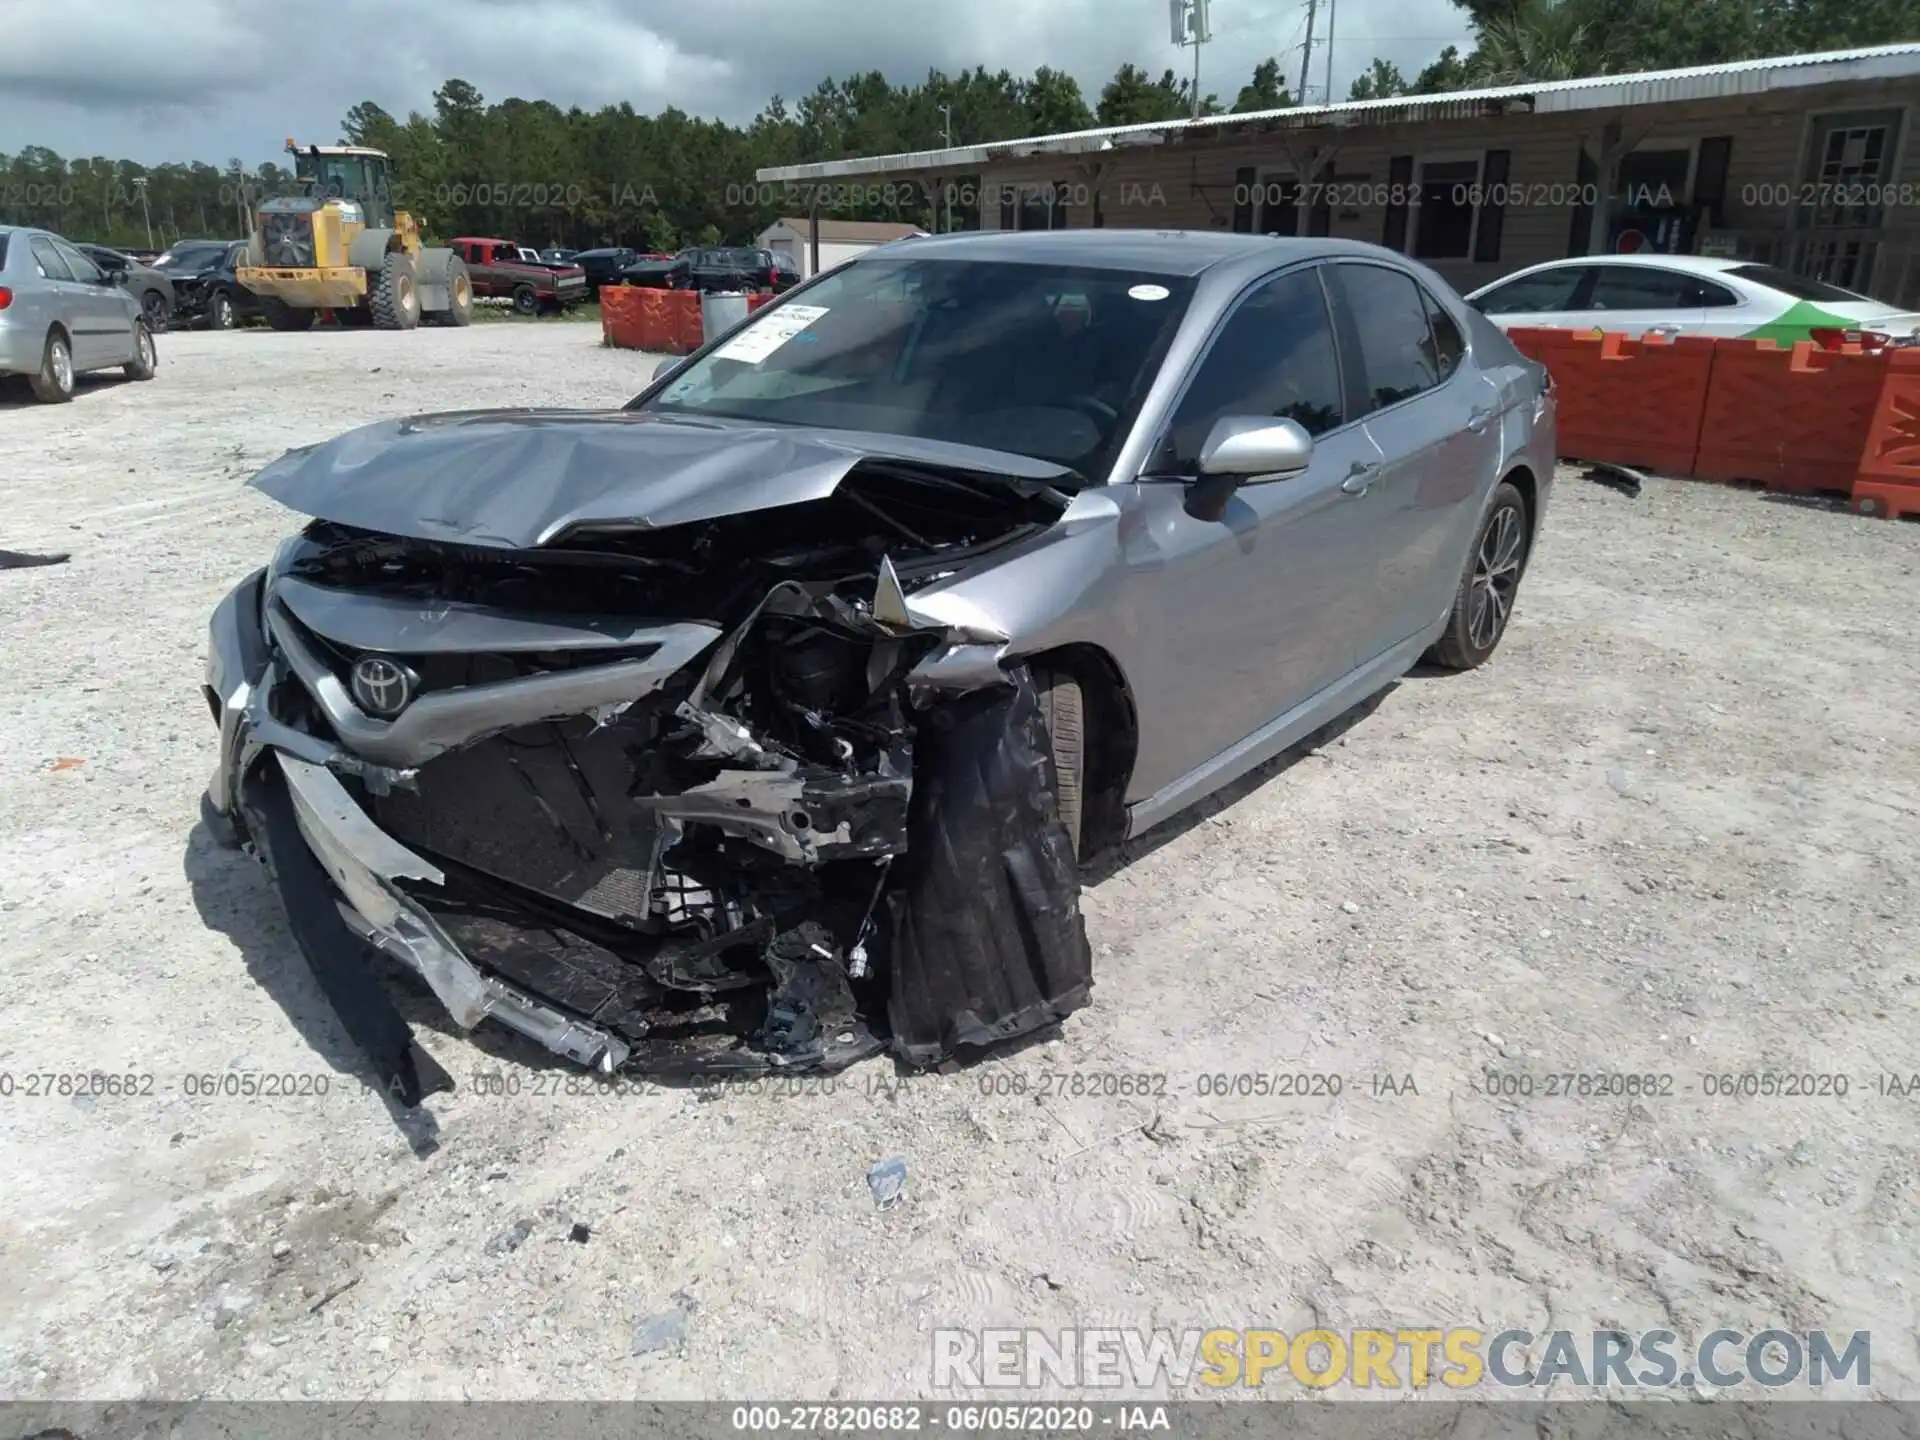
x,y
1170,252
484,240
1694,264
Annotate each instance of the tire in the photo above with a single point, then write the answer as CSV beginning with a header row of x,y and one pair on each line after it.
x,y
154,309
1063,710
395,301
282,316
459,295
526,300
145,358
1488,586
220,312
53,381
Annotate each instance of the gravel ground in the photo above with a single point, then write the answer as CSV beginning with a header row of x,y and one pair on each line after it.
x,y
1669,830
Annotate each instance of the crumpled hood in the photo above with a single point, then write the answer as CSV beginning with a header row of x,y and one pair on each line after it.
x,y
516,479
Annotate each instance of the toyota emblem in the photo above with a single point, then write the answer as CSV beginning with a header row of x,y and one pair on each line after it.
x,y
381,687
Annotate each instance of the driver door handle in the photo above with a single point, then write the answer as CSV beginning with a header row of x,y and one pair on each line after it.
x,y
1477,419
1360,478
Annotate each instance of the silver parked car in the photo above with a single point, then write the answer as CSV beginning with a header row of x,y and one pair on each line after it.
x,y
62,316
763,722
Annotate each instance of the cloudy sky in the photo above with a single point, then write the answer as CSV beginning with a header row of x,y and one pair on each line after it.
x,y
156,80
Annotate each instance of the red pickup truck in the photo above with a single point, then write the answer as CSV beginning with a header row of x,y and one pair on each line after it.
x,y
498,272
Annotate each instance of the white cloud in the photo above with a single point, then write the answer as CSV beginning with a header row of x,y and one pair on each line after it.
x,y
210,79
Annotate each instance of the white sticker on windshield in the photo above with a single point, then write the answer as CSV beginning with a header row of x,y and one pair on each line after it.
x,y
1149,292
760,341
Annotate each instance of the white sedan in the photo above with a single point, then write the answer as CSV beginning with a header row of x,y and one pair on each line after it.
x,y
1684,295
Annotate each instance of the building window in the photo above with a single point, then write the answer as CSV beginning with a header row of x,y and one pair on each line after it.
x,y
1443,228
1655,179
1276,208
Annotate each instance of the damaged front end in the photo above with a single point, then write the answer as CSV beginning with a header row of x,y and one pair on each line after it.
x,y
696,799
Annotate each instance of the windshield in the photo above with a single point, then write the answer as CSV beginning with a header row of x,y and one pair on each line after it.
x,y
190,257
1798,286
1045,361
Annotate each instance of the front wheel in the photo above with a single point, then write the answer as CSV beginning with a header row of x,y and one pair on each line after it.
x,y
1484,601
154,310
282,316
1062,708
220,315
145,358
395,301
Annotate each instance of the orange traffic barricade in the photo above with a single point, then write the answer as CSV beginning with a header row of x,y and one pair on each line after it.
x,y
685,332
1630,401
1789,418
1888,480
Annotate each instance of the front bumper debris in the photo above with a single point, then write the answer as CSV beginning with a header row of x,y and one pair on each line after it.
x,y
606,858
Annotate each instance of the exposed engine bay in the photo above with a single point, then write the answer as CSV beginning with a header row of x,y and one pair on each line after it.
x,y
791,851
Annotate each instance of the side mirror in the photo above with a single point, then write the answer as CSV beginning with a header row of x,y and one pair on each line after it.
x,y
1240,448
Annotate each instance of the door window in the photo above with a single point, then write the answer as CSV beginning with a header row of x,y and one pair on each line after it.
x,y
52,267
1642,287
1274,356
79,265
1542,292
1397,346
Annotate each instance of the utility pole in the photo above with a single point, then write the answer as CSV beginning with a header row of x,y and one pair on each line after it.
x,y
140,184
1192,25
946,115
1330,8
1306,52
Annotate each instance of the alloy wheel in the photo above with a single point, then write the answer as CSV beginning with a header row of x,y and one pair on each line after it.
x,y
1496,575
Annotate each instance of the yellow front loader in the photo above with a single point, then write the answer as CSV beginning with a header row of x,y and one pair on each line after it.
x,y
340,245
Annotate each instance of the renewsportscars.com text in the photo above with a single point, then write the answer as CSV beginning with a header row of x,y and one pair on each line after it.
x,y
1402,1358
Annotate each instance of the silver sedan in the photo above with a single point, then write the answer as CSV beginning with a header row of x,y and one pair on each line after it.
x,y
62,316
764,721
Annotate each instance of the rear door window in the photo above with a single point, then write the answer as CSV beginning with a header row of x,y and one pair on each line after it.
x,y
1449,345
1396,342
1642,287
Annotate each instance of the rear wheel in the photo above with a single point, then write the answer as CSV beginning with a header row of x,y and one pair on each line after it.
x,y
395,301
459,286
526,300
145,358
1487,590
1062,707
53,382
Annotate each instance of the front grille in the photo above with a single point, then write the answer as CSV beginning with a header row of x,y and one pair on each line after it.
x,y
288,239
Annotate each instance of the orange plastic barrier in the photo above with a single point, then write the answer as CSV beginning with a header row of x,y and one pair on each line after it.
x,y
1631,401
1888,481
1792,418
620,318
655,317
686,332
757,299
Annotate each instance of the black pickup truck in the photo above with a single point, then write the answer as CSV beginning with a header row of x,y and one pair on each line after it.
x,y
711,268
